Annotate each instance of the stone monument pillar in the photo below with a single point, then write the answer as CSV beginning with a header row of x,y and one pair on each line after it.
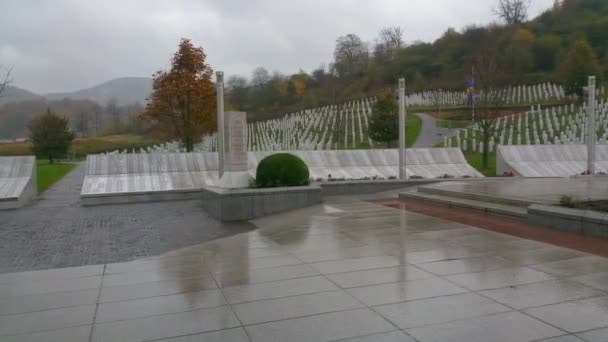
x,y
219,85
591,125
401,150
234,146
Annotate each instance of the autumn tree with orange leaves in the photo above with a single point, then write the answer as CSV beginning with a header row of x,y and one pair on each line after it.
x,y
183,104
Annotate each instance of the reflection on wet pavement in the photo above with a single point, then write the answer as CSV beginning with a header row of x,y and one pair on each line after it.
x,y
349,271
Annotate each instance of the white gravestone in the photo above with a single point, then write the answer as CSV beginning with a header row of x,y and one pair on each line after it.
x,y
235,151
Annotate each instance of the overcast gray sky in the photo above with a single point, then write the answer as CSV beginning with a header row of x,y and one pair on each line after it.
x,y
64,45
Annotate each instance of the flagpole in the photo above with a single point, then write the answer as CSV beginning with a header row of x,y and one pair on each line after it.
x,y
473,91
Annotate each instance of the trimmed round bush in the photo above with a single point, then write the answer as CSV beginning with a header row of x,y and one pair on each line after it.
x,y
282,169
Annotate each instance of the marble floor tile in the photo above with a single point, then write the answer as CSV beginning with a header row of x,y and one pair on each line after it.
x,y
541,293
405,291
394,336
465,265
597,280
423,312
277,289
166,326
46,320
154,276
34,287
596,335
75,334
378,276
358,264
248,265
442,254
228,335
264,275
53,274
321,328
541,255
499,278
575,316
135,308
575,266
565,338
291,307
57,300
157,288
503,327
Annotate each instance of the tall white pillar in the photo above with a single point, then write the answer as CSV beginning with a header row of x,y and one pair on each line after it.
x,y
591,125
402,173
219,85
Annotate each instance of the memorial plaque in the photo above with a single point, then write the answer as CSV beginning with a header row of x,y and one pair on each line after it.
x,y
234,160
235,135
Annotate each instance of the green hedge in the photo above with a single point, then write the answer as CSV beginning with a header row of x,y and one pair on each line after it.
x,y
282,169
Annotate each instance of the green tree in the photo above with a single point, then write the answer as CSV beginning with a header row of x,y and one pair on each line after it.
x,y
580,63
384,122
545,52
237,91
51,136
517,55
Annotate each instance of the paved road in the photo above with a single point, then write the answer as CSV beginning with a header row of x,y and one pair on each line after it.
x,y
430,135
56,231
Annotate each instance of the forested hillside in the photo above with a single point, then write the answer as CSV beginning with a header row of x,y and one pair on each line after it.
x,y
545,48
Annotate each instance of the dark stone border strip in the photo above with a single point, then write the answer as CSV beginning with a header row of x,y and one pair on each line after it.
x,y
246,204
504,225
585,222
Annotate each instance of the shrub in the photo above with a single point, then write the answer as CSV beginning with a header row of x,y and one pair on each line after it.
x,y
282,169
567,201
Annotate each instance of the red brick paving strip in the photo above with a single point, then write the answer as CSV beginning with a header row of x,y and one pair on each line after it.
x,y
503,224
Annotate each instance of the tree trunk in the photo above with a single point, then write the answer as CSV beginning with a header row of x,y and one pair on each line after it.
x,y
188,142
486,150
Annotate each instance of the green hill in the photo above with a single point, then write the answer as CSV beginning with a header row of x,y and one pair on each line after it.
x,y
531,52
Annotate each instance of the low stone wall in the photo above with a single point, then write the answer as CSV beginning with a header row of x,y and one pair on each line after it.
x,y
361,187
338,188
140,197
246,204
548,160
586,222
17,181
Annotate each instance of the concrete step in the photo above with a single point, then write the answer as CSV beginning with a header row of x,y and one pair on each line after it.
x,y
475,197
489,207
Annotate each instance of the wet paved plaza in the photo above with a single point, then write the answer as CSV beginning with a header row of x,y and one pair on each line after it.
x,y
533,190
345,271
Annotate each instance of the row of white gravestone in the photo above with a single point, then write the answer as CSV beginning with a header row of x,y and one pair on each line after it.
x,y
346,126
515,95
325,128
556,125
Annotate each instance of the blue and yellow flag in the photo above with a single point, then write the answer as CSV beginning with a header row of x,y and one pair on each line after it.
x,y
470,91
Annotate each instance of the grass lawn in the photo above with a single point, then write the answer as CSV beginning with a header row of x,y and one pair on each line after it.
x,y
82,147
475,161
49,174
413,126
462,115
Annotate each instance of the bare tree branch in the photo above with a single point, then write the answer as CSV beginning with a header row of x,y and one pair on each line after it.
x,y
4,82
350,56
490,77
512,11
388,42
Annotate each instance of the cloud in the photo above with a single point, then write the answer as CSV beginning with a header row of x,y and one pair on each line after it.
x,y
64,45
